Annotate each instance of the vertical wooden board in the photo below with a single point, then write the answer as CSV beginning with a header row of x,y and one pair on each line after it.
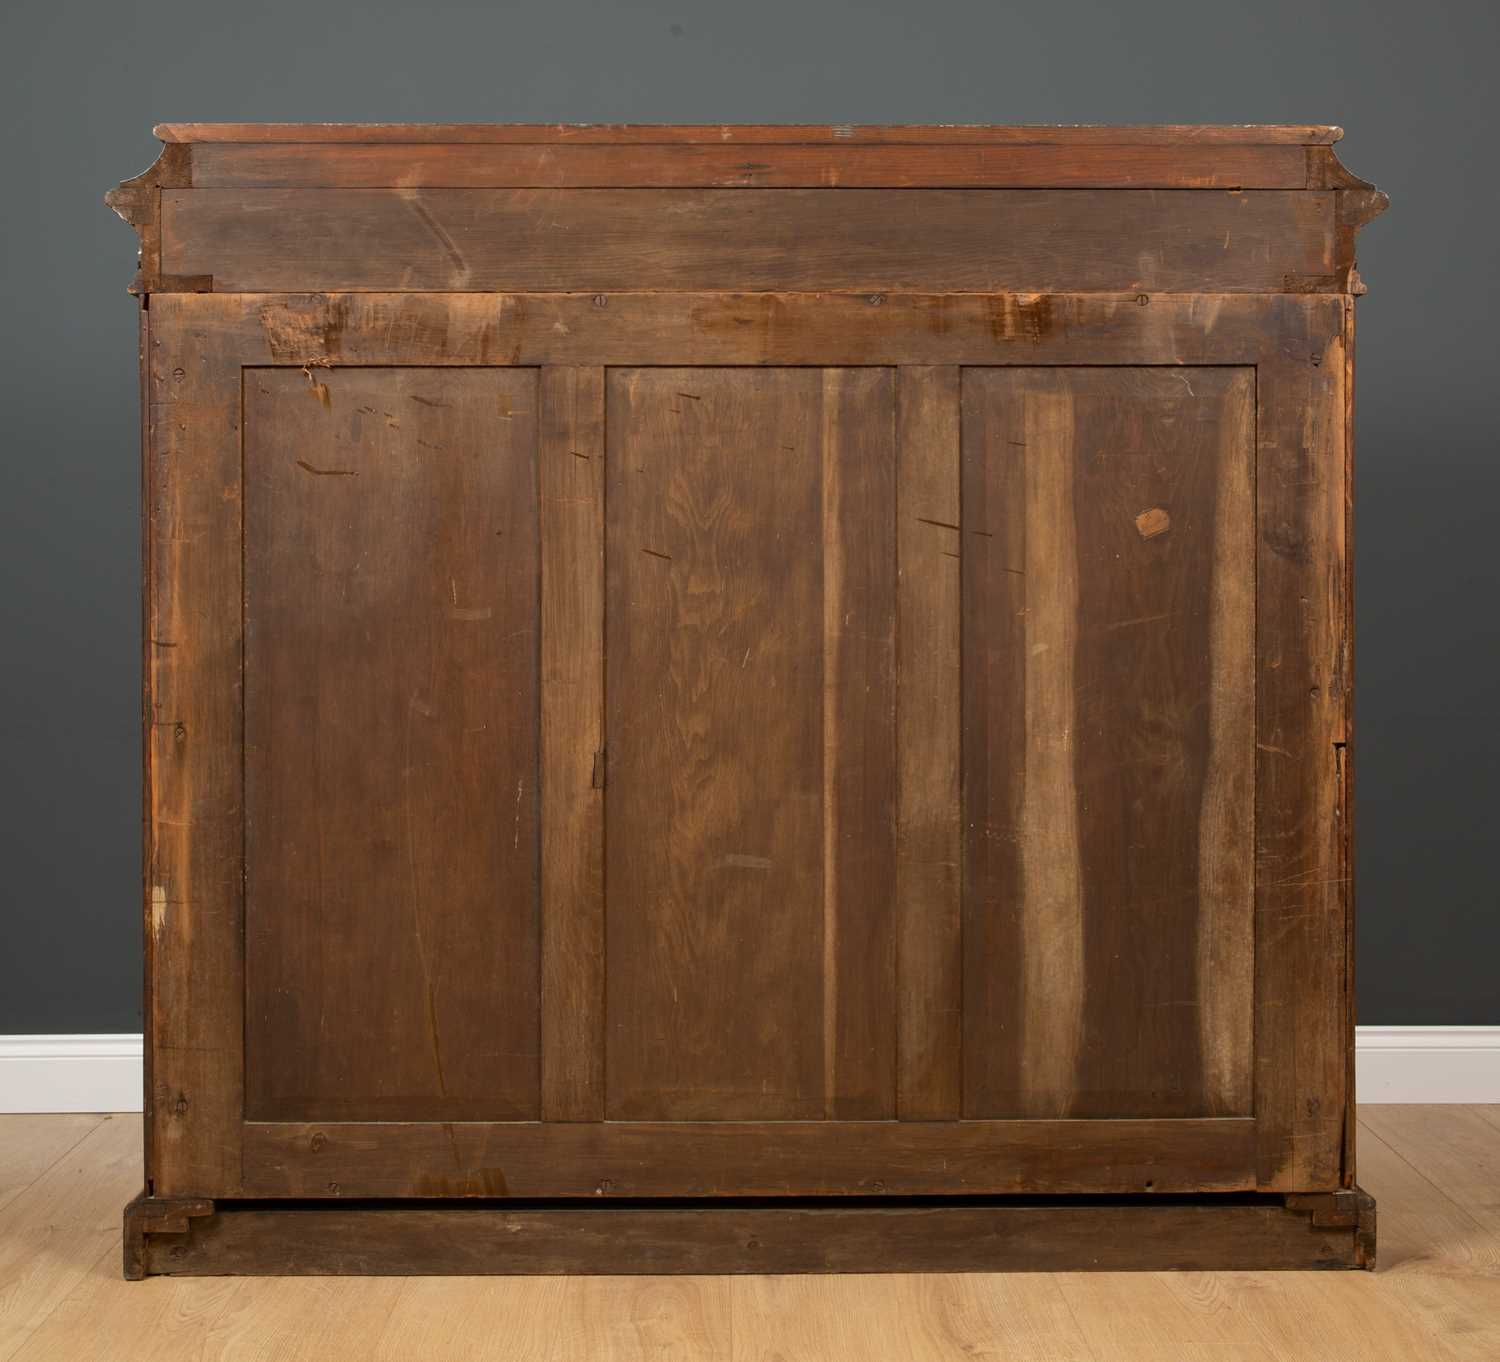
x,y
572,944
194,755
391,597
1109,733
859,766
1301,1015
1022,912
929,950
749,842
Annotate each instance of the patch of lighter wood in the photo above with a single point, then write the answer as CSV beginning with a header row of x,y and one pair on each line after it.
x,y
1226,847
833,606
1052,890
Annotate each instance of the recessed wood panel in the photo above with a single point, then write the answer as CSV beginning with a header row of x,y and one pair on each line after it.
x,y
749,728
1109,744
391,597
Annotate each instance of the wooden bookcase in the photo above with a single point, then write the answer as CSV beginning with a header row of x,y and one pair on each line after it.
x,y
747,699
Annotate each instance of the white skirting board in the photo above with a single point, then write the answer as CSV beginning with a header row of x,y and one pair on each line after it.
x,y
1395,1064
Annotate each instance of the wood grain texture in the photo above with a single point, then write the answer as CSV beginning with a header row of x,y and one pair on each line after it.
x,y
572,743
749,713
195,761
634,329
739,1158
280,165
30,1145
660,134
599,240
53,1232
1108,710
756,1239
929,951
1301,1011
391,589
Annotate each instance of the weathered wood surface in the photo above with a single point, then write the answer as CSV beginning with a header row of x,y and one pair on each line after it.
x,y
953,1237
1302,1009
391,689
866,240
1108,747
708,329
746,1158
750,623
571,401
929,858
868,616
194,756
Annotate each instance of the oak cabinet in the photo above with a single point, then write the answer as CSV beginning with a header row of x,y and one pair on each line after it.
x,y
747,699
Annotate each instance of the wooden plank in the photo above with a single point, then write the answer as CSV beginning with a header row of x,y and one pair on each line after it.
x,y
1455,1147
867,240
917,1317
928,865
459,165
1130,1318
627,134
1422,1228
858,743
634,329
461,1319
30,1145
195,755
1109,741
1301,1012
751,618
757,1239
52,1233
572,718
391,691
714,804
107,1318
645,1320
740,1158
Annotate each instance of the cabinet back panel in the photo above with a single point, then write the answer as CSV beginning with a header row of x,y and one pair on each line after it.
x,y
390,607
1109,741
749,720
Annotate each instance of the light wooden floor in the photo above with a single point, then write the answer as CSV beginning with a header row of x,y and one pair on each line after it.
x,y
1434,1170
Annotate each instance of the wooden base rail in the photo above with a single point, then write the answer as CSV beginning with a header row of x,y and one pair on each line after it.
x,y
1299,1231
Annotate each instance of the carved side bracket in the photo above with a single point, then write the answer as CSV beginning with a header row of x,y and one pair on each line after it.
x,y
157,1216
138,202
1356,201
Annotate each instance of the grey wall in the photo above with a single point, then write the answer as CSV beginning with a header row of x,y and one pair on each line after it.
x,y
1412,83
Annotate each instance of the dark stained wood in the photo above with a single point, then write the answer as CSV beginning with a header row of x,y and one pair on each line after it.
x,y
956,1236
858,448
628,134
195,756
749,719
865,240
740,1158
638,329
1301,890
391,577
277,165
572,739
929,950
1109,600
874,606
